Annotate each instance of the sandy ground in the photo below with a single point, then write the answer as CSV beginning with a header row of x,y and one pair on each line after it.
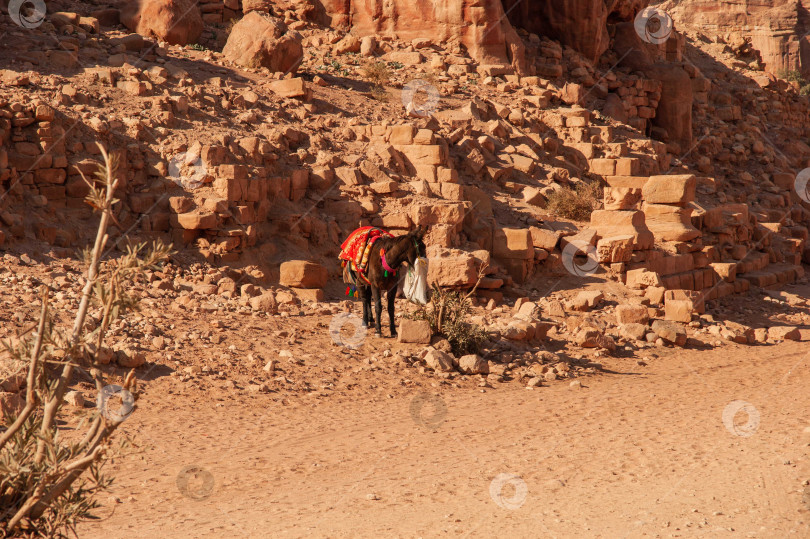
x,y
639,451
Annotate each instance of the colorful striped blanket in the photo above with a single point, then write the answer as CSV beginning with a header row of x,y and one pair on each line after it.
x,y
356,249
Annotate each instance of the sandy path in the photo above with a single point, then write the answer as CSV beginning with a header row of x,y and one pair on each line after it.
x,y
643,452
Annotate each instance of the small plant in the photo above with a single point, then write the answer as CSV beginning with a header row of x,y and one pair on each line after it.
x,y
792,75
378,74
576,204
197,47
396,65
448,314
42,491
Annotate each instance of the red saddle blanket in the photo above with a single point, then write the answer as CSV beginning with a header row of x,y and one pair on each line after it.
x,y
357,247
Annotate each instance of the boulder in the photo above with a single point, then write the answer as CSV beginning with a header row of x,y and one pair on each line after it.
x,y
589,337
633,331
452,267
614,249
632,314
414,331
678,189
784,333
260,40
303,274
670,332
178,22
623,223
265,302
513,243
585,300
473,364
439,361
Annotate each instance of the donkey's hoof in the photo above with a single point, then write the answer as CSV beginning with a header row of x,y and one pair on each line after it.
x,y
394,335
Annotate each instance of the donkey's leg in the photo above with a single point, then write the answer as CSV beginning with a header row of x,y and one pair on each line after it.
x,y
367,305
392,295
365,299
375,294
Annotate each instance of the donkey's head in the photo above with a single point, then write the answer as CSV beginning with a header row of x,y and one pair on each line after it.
x,y
415,246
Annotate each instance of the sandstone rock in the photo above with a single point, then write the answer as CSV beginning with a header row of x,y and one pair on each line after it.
x,y
784,333
544,238
130,358
303,274
265,302
452,267
642,278
513,243
678,310
633,331
614,249
440,361
678,189
632,314
259,40
295,87
197,220
414,331
75,399
589,337
585,301
670,223
178,22
622,223
670,332
473,364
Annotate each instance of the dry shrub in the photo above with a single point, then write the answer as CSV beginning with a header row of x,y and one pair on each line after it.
x,y
575,204
378,74
49,478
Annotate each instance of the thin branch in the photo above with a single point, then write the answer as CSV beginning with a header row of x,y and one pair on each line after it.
x,y
31,399
52,407
481,274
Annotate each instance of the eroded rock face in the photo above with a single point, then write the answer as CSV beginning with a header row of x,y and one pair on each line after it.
x,y
175,21
777,28
479,25
580,24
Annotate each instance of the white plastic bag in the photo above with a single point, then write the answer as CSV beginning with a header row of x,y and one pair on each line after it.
x,y
416,286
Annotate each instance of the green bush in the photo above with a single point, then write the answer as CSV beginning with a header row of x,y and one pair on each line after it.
x,y
448,316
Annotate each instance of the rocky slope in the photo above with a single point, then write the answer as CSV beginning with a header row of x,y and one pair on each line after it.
x,y
292,123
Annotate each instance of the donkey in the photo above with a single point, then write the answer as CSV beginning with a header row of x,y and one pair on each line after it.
x,y
387,255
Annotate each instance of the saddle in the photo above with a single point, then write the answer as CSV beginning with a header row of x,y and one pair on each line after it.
x,y
355,251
